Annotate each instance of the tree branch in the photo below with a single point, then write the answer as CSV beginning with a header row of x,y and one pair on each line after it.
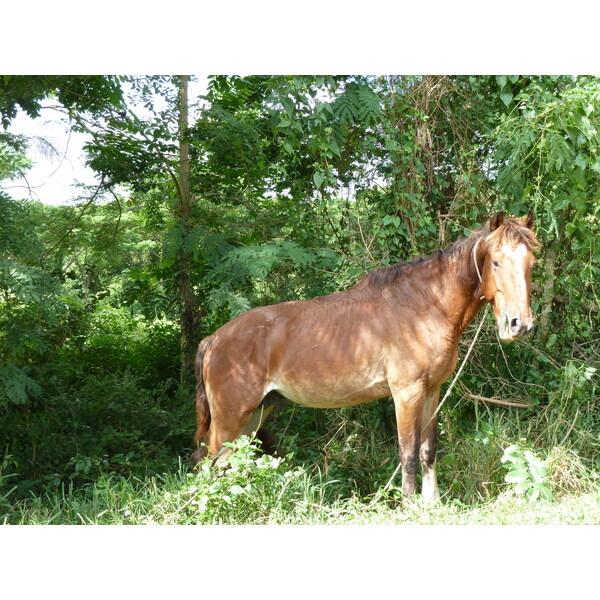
x,y
497,401
87,205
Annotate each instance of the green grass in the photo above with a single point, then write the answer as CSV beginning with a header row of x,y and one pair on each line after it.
x,y
259,490
152,507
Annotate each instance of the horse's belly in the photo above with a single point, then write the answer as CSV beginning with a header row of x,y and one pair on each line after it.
x,y
344,391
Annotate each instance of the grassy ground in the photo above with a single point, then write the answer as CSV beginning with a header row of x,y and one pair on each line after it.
x,y
262,490
73,510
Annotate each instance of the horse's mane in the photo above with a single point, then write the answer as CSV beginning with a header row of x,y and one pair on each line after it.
x,y
512,231
387,275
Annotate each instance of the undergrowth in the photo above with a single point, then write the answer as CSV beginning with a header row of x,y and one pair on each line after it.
x,y
254,488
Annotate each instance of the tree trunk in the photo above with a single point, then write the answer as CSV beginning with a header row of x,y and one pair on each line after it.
x,y
548,292
189,314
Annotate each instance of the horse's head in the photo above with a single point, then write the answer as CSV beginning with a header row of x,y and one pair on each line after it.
x,y
506,274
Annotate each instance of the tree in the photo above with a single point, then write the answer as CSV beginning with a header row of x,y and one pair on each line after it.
x,y
549,157
189,310
77,94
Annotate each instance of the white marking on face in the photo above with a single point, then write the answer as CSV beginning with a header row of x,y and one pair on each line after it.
x,y
515,253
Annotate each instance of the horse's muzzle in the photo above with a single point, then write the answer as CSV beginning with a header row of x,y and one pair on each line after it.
x,y
511,329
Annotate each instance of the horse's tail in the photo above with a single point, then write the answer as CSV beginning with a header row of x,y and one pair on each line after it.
x,y
202,406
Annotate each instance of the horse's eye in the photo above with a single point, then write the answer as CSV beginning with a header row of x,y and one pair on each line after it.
x,y
496,264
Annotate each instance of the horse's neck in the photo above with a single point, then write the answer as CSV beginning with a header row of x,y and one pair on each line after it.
x,y
443,290
461,296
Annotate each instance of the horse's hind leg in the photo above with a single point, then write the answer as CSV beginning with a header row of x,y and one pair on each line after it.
x,y
268,441
222,431
273,400
256,422
234,412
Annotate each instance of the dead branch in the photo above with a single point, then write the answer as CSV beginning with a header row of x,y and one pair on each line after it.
x,y
498,401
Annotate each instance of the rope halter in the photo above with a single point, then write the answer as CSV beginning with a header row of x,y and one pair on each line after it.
x,y
476,265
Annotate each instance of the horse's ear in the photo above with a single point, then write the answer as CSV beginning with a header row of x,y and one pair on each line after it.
x,y
497,220
529,220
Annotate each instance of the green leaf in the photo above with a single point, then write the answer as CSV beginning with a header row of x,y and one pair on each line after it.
x,y
522,486
546,493
448,460
333,145
581,161
510,453
506,97
288,106
318,178
515,476
538,475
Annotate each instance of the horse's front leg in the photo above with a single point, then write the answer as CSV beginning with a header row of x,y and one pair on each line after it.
x,y
430,490
408,403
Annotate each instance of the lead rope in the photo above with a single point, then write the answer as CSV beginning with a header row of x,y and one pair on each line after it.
x,y
447,394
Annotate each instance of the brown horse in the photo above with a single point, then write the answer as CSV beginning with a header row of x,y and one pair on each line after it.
x,y
396,332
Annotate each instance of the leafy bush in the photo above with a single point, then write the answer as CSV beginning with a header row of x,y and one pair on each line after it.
x,y
249,488
527,472
106,423
16,385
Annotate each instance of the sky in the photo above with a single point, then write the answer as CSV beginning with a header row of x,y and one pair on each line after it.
x,y
54,176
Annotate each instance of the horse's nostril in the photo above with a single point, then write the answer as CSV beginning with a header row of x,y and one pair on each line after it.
x,y
515,324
